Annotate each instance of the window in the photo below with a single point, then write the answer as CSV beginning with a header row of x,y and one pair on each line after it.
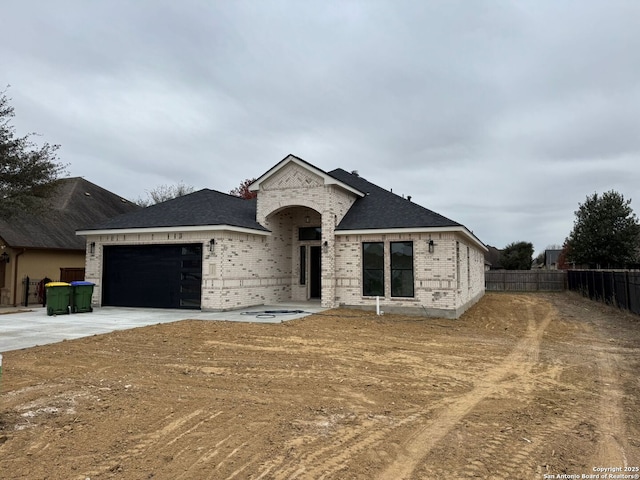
x,y
373,269
303,265
458,264
468,269
309,233
402,269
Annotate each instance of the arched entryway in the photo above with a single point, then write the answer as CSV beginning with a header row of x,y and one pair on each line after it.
x,y
296,236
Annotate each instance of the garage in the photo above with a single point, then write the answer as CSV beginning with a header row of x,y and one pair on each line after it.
x,y
157,276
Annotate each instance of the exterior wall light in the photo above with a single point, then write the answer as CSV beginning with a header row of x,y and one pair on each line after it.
x,y
212,244
431,246
325,246
4,258
92,248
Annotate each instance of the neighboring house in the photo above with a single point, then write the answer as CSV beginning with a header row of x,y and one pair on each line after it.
x,y
309,234
44,245
551,258
493,258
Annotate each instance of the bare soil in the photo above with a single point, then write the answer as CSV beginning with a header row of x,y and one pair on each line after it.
x,y
521,387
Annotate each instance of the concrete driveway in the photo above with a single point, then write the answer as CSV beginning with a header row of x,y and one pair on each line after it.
x,y
28,327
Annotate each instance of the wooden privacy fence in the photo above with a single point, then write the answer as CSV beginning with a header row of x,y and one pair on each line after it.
x,y
525,280
618,288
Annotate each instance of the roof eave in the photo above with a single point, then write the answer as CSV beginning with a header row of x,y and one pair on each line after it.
x,y
390,231
186,228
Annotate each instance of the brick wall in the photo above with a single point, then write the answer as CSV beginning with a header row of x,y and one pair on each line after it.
x,y
444,284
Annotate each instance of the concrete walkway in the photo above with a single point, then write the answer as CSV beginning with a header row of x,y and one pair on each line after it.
x,y
24,327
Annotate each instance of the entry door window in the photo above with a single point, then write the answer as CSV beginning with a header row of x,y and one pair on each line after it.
x,y
303,265
315,272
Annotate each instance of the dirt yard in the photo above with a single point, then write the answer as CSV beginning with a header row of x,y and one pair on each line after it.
x,y
521,387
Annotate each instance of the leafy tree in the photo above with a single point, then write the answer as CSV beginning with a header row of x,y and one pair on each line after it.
x,y
27,172
243,191
162,193
605,232
517,256
539,260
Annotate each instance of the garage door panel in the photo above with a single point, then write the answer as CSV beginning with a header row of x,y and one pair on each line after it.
x,y
160,276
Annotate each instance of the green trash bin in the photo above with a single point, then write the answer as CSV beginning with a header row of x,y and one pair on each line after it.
x,y
81,296
58,298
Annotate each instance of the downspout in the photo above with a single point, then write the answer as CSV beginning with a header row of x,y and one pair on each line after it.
x,y
15,276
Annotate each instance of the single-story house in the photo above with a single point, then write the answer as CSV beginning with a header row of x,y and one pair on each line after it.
x,y
309,235
44,245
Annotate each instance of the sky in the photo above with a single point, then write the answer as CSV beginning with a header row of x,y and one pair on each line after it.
x,y
500,115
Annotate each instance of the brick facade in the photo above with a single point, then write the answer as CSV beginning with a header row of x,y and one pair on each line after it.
x,y
248,268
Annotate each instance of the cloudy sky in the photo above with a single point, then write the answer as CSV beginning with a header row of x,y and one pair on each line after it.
x,y
501,115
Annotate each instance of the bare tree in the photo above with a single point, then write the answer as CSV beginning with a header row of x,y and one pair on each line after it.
x,y
162,193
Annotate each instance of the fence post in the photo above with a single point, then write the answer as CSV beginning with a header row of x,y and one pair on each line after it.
x,y
26,291
627,290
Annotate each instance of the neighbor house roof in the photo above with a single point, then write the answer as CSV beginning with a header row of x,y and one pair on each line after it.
x,y
203,208
493,256
75,203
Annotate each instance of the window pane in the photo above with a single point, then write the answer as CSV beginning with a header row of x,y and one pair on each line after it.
x,y
402,269
191,250
373,281
373,255
373,269
402,255
402,283
191,264
303,265
309,233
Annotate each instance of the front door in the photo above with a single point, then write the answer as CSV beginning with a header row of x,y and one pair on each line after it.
x,y
315,272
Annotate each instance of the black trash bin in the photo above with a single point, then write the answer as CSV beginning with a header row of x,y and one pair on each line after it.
x,y
81,296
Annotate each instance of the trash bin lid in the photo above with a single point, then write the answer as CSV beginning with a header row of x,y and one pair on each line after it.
x,y
58,284
77,283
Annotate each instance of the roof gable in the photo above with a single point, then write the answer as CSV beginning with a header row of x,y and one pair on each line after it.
x,y
303,175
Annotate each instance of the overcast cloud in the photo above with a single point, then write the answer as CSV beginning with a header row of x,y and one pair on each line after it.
x,y
500,115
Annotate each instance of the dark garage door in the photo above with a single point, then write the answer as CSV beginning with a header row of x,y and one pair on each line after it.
x,y
160,276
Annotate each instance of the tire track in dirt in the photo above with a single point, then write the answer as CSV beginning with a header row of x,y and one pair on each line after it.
x,y
325,461
161,442
511,373
612,444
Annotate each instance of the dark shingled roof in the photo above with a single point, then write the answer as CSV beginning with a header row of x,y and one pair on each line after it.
x,y
201,208
378,209
76,203
381,209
